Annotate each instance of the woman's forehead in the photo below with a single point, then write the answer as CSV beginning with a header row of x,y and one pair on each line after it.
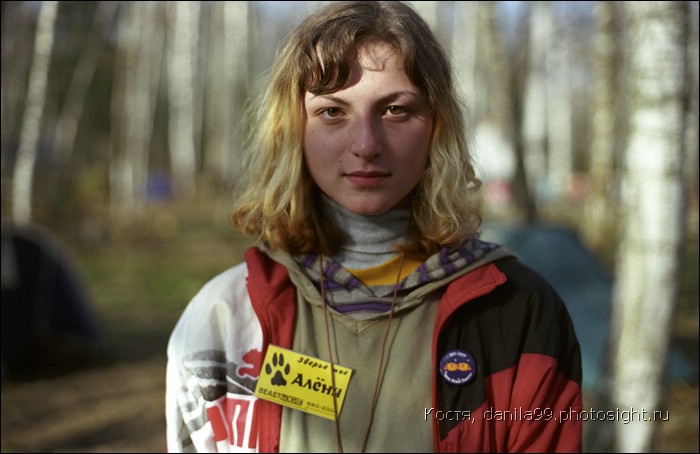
x,y
366,54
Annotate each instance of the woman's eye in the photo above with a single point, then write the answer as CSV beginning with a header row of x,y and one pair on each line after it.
x,y
331,112
396,110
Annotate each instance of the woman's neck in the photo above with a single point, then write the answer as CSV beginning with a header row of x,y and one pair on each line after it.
x,y
371,239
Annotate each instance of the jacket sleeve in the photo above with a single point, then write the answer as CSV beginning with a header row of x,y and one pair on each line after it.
x,y
547,379
214,356
526,396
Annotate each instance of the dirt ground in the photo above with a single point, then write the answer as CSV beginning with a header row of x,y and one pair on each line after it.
x,y
119,408
116,404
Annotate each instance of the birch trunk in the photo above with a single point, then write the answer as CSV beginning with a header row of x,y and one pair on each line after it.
x,y
182,50
559,111
17,33
535,107
652,216
23,177
479,64
226,87
495,103
136,75
480,56
518,72
598,224
693,166
76,94
464,53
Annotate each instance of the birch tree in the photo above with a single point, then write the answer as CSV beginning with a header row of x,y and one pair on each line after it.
x,y
226,87
182,47
136,76
535,104
559,106
479,62
81,78
597,222
23,177
481,74
464,52
692,136
17,34
496,102
518,70
651,213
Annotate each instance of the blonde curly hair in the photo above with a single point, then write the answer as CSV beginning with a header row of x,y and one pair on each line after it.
x,y
279,203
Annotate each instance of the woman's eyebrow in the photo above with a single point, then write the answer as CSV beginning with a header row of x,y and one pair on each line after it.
x,y
398,94
329,97
384,99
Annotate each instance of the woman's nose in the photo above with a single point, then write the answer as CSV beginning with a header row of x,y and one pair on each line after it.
x,y
366,137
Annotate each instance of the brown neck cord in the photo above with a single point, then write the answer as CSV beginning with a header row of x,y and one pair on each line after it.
x,y
375,395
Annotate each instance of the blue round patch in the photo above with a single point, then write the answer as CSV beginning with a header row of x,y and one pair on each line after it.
x,y
457,367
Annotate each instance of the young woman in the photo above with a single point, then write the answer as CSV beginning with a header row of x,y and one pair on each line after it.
x,y
364,201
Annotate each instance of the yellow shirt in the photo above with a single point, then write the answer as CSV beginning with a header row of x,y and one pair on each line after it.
x,y
385,274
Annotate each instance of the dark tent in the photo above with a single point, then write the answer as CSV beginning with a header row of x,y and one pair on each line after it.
x,y
48,325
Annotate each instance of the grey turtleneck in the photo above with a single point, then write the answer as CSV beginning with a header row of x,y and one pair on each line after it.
x,y
371,239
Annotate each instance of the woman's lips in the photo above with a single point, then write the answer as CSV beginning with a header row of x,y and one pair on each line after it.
x,y
367,179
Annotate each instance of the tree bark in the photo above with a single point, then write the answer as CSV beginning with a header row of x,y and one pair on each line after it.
x,y
652,216
136,76
598,224
226,88
76,94
23,177
537,97
183,40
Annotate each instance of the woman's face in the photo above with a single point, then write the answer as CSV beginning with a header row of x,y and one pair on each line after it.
x,y
366,145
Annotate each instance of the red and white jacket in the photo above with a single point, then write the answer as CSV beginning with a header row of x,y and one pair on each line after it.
x,y
525,398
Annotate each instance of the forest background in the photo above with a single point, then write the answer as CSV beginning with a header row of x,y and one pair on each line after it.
x,y
121,134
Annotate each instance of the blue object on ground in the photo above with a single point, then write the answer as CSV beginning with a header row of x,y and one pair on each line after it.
x,y
580,278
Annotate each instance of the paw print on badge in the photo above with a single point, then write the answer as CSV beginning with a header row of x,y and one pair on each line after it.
x,y
278,362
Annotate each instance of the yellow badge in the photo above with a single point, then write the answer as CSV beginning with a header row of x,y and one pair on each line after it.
x,y
301,382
